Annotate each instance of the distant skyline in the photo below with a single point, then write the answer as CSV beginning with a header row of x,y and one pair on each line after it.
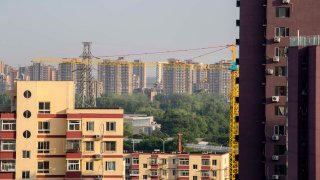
x,y
37,28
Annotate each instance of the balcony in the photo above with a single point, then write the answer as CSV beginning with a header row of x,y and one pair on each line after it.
x,y
73,146
8,166
134,172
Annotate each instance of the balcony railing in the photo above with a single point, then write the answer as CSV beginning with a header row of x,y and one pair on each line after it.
x,y
305,40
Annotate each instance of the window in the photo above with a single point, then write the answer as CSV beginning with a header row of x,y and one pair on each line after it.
x,y
195,178
164,161
44,108
127,160
111,126
43,167
145,177
281,51
282,31
89,145
110,146
184,173
279,130
74,125
73,145
214,162
280,71
43,127
89,166
25,174
184,161
173,172
134,172
27,94
154,172
90,126
73,165
27,114
26,154
26,134
8,125
205,162
173,161
205,174
283,12
195,166
280,169
214,173
8,145
135,160
280,149
43,147
280,90
110,165
145,165
8,166
154,161
164,172
280,110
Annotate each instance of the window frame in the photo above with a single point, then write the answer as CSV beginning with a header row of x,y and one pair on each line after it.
x,y
43,170
112,146
90,126
89,165
111,126
74,125
91,146
10,123
205,162
26,154
9,144
184,173
10,164
46,107
112,167
135,160
286,12
184,161
73,165
280,30
25,175
42,130
43,147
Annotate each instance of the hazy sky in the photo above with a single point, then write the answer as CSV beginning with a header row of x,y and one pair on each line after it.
x,y
56,28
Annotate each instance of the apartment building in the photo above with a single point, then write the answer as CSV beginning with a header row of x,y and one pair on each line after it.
x,y
176,77
219,78
141,124
278,90
116,76
146,166
139,75
41,72
45,137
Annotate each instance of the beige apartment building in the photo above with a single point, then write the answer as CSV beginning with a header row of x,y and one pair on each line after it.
x,y
140,166
45,137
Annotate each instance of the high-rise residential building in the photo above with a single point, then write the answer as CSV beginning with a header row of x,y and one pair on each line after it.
x,y
278,91
3,83
45,137
41,72
176,77
97,88
2,66
66,71
116,76
219,78
23,73
139,75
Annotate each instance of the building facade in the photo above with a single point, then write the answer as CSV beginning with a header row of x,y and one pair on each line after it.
x,y
176,166
219,78
116,76
277,142
176,77
45,137
139,75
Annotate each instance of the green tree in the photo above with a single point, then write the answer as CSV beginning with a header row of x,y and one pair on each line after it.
x,y
127,129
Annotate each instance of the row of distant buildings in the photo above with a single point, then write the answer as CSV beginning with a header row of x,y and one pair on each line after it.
x,y
125,77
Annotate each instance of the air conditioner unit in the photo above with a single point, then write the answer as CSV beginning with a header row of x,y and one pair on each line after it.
x,y
277,39
276,59
285,1
275,177
275,98
275,137
98,156
98,137
275,158
269,71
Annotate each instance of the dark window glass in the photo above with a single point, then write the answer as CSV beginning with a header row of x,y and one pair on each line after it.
x,y
27,94
280,110
280,90
27,114
280,169
283,12
280,71
26,134
280,149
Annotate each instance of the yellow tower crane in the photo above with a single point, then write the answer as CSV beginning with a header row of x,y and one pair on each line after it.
x,y
234,119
